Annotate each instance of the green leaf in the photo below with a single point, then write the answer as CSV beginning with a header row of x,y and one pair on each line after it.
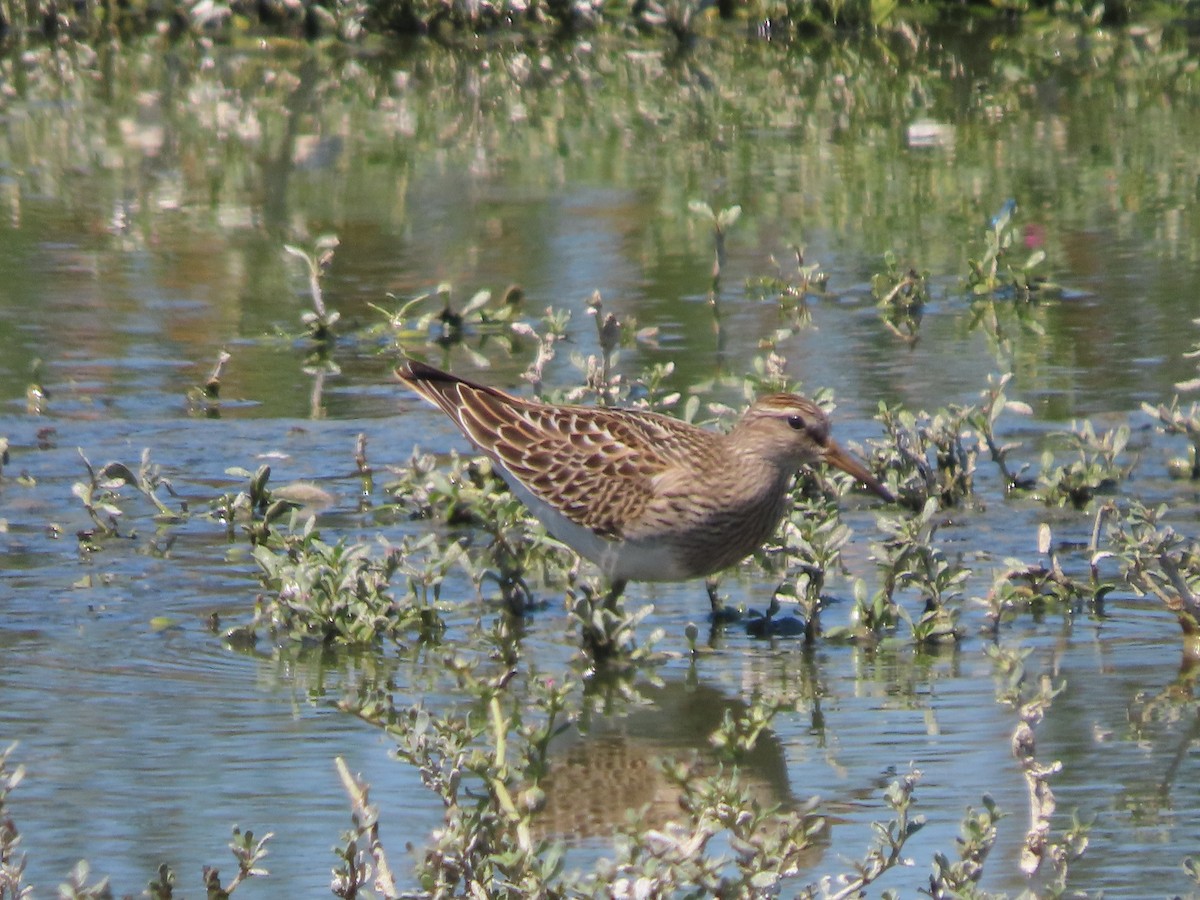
x,y
479,301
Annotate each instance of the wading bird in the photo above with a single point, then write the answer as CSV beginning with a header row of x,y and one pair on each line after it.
x,y
643,496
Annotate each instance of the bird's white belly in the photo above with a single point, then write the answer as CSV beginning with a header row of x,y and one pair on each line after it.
x,y
618,560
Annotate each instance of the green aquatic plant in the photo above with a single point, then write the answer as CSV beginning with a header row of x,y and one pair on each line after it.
x,y
679,17
247,851
600,382
1044,853
886,850
432,317
721,222
36,394
812,539
770,844
359,20
485,764
897,290
319,321
907,558
256,508
1191,384
490,764
767,374
984,419
608,629
1096,469
205,399
1174,420
553,331
1191,868
12,858
100,494
873,618
466,491
927,456
791,291
901,296
342,592
977,837
1021,586
1157,560
366,474
995,271
361,867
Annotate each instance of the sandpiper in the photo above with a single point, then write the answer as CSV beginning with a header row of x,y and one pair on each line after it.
x,y
643,496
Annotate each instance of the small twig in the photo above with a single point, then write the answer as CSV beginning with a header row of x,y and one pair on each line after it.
x,y
366,822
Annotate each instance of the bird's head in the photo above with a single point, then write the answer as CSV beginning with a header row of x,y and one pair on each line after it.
x,y
793,432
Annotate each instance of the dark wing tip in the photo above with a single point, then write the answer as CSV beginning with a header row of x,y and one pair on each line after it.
x,y
414,370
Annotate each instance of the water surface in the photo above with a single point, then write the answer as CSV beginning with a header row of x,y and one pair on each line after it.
x,y
144,216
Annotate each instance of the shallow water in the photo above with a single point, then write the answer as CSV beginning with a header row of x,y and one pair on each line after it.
x,y
144,216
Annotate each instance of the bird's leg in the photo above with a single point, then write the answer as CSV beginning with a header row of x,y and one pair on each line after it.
x,y
721,614
710,585
614,594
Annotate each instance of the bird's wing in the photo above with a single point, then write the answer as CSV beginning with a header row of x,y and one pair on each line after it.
x,y
598,467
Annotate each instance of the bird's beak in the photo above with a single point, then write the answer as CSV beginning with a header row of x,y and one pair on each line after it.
x,y
834,455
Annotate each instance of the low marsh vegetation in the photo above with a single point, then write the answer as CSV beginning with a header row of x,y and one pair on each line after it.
x,y
359,20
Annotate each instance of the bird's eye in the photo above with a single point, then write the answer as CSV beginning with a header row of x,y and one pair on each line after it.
x,y
797,422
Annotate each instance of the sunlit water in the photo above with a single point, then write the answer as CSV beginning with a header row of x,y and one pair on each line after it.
x,y
130,255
